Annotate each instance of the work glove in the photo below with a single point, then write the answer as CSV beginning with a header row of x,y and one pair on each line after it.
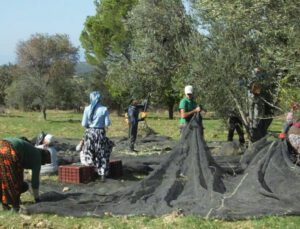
x,y
36,195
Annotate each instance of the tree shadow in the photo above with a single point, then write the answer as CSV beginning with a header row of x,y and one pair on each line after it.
x,y
11,116
65,121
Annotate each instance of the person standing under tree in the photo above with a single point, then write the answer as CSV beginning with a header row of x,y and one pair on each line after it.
x,y
187,107
235,123
96,146
133,121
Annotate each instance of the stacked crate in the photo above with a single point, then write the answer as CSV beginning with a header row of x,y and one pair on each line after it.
x,y
76,174
84,174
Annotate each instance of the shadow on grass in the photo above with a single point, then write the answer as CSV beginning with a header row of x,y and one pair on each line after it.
x,y
177,118
65,121
159,118
11,116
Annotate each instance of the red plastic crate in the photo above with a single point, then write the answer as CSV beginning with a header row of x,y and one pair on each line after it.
x,y
76,173
115,168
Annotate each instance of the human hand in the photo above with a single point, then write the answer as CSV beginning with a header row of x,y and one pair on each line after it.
x,y
79,146
197,109
282,135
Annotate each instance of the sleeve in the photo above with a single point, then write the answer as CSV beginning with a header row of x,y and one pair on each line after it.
x,y
35,178
141,106
84,121
182,104
130,115
107,119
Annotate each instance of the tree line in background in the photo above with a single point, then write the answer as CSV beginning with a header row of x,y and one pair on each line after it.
x,y
142,47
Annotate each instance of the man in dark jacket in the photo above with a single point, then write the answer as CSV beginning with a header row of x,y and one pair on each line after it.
x,y
133,120
235,123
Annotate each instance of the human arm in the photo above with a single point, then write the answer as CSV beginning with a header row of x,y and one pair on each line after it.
x,y
80,145
144,108
290,116
187,108
141,106
202,108
85,120
107,119
35,182
186,114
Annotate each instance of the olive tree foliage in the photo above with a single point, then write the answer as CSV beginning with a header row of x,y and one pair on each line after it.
x,y
7,73
104,34
240,36
139,42
159,31
107,43
47,66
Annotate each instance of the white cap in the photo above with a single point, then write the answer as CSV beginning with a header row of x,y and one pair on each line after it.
x,y
48,138
188,89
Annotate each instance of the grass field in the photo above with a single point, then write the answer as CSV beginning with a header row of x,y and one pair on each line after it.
x,y
67,125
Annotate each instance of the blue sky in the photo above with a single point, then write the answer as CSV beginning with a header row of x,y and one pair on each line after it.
x,y
21,18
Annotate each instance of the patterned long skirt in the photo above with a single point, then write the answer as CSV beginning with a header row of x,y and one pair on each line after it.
x,y
97,149
11,175
294,139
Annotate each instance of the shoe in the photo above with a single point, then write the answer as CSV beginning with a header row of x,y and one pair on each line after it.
x,y
133,150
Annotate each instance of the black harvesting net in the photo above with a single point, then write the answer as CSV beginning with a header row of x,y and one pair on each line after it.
x,y
191,181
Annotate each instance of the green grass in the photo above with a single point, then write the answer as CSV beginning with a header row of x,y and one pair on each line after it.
x,y
67,124
171,221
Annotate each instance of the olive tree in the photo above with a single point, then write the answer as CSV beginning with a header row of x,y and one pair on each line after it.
x,y
46,61
242,36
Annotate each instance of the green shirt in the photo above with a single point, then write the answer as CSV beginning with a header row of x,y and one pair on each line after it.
x,y
30,157
188,105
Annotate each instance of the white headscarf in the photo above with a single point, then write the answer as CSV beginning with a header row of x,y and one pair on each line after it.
x,y
48,138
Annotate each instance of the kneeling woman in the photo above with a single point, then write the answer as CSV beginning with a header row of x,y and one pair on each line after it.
x,y
97,147
15,156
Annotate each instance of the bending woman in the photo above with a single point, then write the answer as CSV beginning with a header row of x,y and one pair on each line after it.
x,y
15,156
97,147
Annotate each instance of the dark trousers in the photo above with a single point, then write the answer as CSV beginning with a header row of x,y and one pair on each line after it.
x,y
235,124
132,133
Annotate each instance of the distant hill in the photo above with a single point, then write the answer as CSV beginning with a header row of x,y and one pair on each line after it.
x,y
83,67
